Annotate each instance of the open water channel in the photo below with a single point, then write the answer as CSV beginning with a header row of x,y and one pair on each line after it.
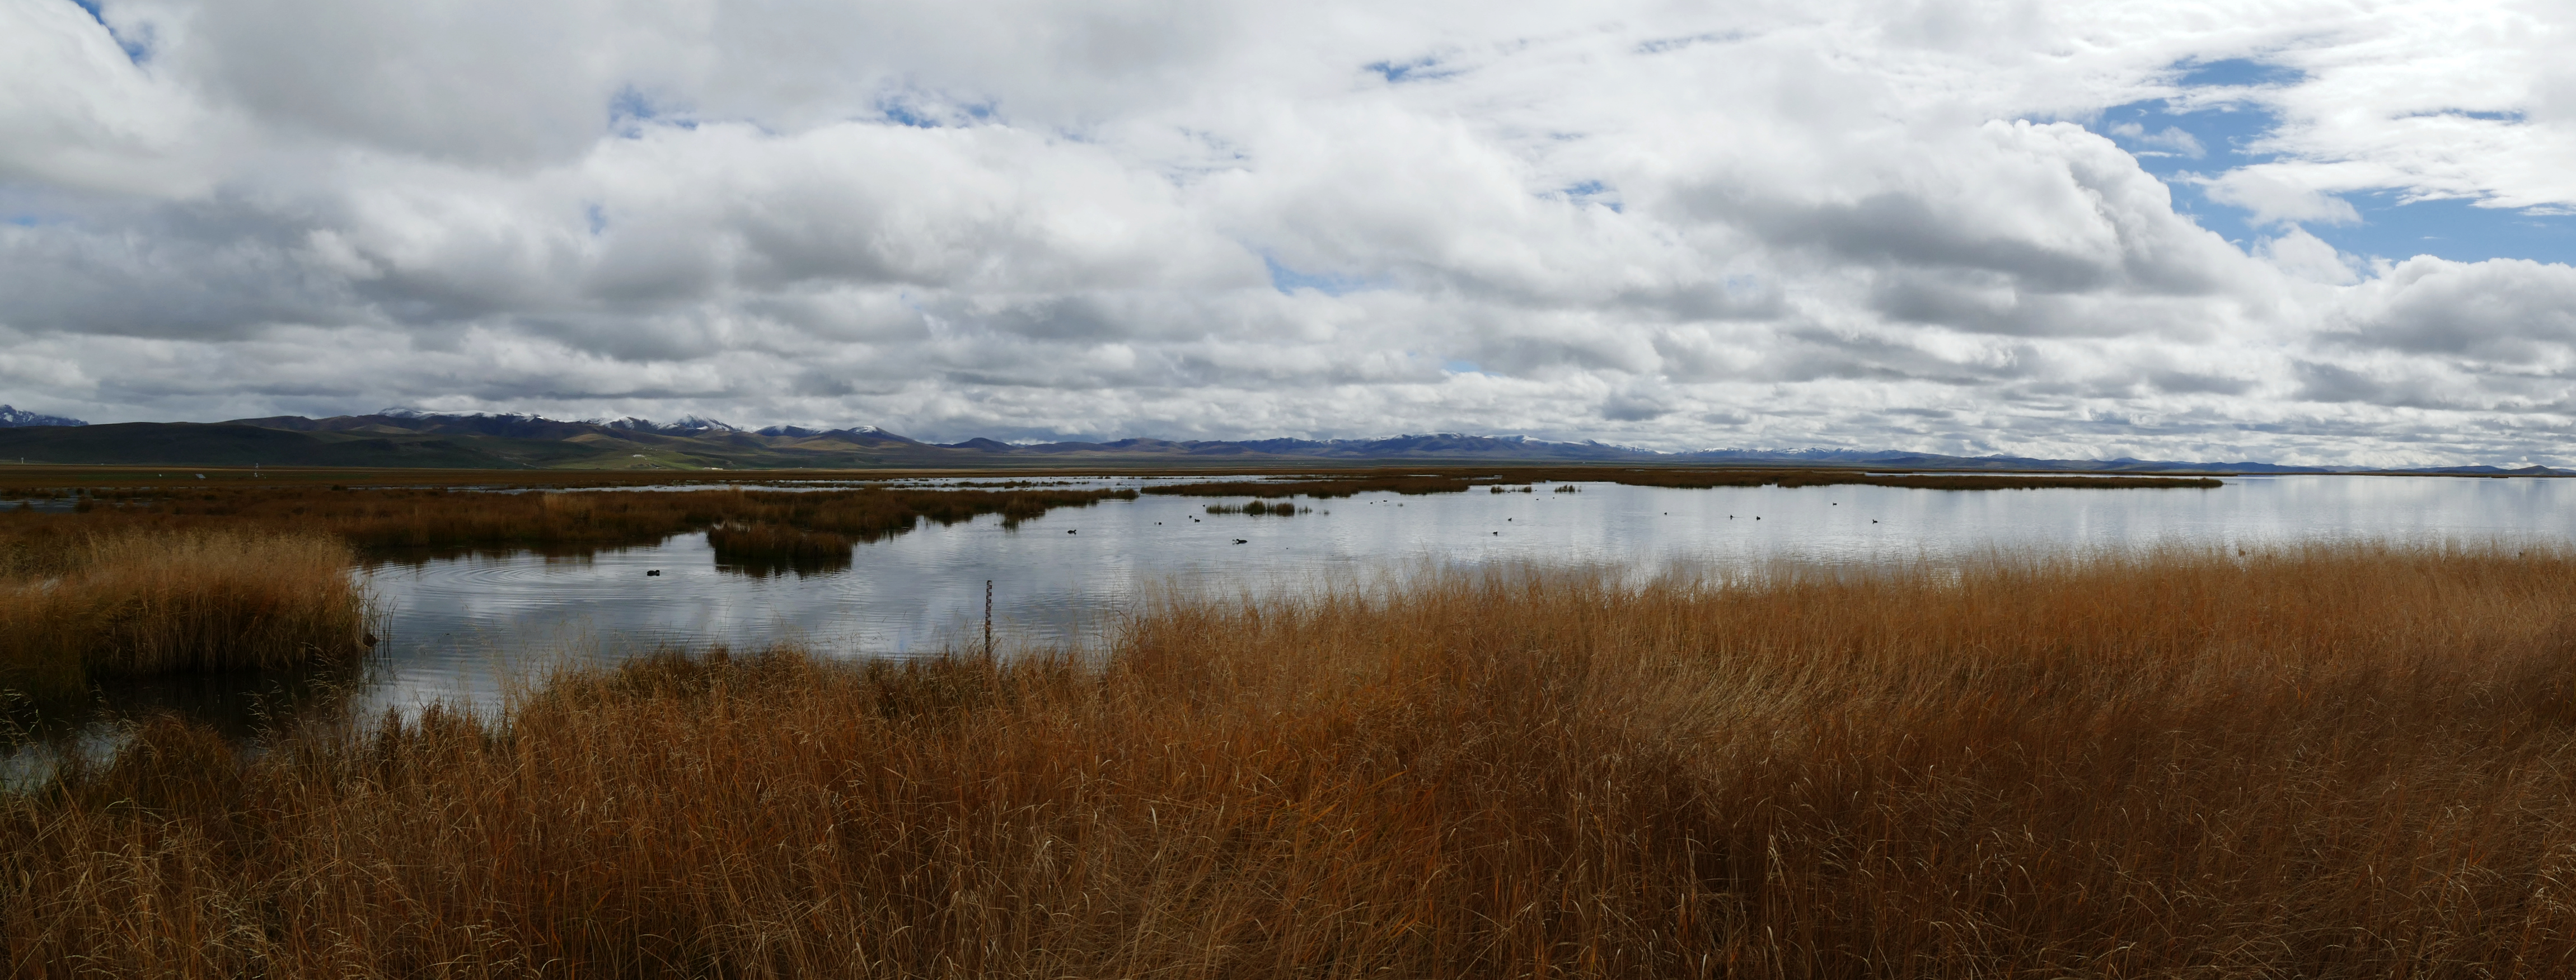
x,y
456,625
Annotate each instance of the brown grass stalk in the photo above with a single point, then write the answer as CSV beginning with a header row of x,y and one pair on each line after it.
x,y
2319,762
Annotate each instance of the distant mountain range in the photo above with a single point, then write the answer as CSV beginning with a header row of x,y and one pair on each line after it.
x,y
410,438
11,418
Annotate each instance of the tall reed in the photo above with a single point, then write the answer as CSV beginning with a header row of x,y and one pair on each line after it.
x,y
2321,762
146,603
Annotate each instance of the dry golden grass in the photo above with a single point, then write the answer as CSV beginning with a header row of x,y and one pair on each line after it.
x,y
2324,762
150,603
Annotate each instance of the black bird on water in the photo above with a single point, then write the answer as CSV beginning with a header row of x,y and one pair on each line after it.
x,y
1241,541
652,571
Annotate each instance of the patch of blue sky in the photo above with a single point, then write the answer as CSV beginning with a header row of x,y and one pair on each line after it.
x,y
1289,280
1594,192
598,219
1462,367
28,207
630,110
137,49
1422,69
2182,141
2511,117
2452,228
2235,72
901,114
919,111
1663,45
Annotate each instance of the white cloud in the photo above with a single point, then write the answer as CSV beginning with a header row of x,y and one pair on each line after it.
x,y
2272,197
2169,141
2434,100
2305,256
77,113
1767,224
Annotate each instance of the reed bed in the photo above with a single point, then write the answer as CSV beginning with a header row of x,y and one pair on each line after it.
x,y
441,520
2318,762
762,550
749,542
153,603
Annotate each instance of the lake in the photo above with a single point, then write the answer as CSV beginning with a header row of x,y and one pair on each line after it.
x,y
455,625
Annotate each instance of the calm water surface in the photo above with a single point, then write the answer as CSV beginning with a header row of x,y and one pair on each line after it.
x,y
457,624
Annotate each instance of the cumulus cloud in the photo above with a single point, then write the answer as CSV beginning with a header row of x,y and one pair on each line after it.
x,y
2308,257
2169,141
1768,225
81,113
2272,199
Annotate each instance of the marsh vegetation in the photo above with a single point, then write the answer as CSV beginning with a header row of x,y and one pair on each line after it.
x,y
2325,761
121,604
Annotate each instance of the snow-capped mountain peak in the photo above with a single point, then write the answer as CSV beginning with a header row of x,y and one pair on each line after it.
x,y
12,418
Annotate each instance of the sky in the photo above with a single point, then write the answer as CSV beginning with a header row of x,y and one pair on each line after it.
x,y
2332,233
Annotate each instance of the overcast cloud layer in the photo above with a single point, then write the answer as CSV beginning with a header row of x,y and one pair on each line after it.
x,y
1950,227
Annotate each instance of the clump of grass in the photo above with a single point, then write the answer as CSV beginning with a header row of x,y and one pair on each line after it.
x,y
1567,488
2313,762
204,601
762,550
763,542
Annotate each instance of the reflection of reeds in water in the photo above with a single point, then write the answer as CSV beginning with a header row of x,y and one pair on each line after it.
x,y
202,601
1258,508
2322,762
